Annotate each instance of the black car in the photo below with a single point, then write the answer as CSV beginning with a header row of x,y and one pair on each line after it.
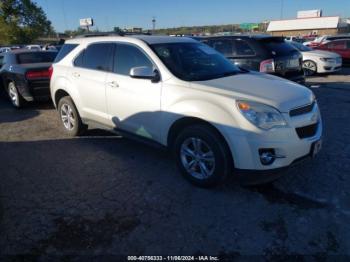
x,y
260,53
25,75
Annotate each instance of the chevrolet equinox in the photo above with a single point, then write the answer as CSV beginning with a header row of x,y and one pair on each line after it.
x,y
215,117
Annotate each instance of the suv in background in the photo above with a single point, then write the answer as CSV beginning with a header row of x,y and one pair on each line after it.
x,y
262,53
176,92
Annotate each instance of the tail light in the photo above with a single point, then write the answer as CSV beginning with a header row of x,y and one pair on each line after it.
x,y
267,66
50,71
33,75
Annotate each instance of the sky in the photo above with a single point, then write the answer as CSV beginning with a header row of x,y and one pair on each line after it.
x,y
65,14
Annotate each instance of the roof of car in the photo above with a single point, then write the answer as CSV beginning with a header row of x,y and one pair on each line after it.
x,y
238,36
149,39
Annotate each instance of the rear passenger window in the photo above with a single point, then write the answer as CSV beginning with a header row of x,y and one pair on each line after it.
x,y
337,45
96,57
348,44
223,46
243,49
127,57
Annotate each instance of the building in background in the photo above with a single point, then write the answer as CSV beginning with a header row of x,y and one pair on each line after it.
x,y
309,23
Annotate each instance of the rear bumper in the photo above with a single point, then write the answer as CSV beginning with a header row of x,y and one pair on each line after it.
x,y
34,90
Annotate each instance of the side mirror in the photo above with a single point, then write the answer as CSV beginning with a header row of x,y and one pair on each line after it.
x,y
145,72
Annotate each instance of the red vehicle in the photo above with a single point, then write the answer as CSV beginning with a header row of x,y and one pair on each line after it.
x,y
342,47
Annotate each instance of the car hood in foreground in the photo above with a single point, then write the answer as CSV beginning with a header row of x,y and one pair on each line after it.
x,y
271,90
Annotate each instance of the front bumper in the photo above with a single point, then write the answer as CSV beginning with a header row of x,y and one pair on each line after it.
x,y
287,142
328,67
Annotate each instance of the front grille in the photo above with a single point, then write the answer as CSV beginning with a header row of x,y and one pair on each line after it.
x,y
307,131
302,110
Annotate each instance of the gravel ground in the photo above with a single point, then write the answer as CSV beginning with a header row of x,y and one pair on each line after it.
x,y
100,196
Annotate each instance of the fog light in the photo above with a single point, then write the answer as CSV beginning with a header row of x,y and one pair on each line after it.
x,y
267,156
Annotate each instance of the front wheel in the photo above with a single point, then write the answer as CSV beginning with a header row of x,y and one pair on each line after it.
x,y
309,67
202,155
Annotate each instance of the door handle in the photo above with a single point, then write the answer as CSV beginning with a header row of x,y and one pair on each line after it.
x,y
75,74
113,84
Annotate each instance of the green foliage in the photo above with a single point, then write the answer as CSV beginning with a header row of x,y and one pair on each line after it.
x,y
210,29
22,22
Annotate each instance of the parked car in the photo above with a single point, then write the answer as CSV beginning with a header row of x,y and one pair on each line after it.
x,y
325,39
317,61
176,92
260,53
33,47
5,49
341,47
294,39
25,75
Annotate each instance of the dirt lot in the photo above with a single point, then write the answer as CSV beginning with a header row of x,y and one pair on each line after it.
x,y
103,195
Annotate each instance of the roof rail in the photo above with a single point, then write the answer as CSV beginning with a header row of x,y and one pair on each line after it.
x,y
120,33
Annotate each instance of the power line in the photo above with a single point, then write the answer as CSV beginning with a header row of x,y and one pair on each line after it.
x,y
64,14
282,7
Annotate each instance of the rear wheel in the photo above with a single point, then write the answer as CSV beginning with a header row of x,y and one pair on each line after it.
x,y
309,67
202,156
15,97
70,117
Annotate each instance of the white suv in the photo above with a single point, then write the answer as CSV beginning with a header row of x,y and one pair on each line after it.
x,y
216,118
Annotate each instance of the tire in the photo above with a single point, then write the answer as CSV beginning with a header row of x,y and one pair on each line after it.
x,y
202,155
309,67
15,97
70,118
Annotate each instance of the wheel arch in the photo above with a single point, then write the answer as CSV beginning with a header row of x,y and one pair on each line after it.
x,y
59,94
187,121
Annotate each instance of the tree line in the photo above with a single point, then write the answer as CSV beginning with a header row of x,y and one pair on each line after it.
x,y
22,22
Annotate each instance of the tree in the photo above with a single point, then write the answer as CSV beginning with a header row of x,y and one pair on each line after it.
x,y
23,21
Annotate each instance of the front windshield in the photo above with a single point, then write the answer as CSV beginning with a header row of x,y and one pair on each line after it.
x,y
301,47
194,61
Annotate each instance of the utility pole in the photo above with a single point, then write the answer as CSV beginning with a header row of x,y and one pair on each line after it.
x,y
153,24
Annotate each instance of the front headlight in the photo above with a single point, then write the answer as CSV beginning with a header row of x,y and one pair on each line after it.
x,y
261,115
325,59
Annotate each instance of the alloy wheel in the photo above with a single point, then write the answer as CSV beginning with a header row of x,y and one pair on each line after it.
x,y
309,68
67,117
197,158
13,93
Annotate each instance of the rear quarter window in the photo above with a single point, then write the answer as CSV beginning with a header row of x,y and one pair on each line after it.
x,y
64,51
242,48
223,46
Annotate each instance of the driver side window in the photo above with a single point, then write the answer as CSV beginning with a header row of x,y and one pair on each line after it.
x,y
129,56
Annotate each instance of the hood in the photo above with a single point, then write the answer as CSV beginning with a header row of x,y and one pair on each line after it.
x,y
271,90
321,53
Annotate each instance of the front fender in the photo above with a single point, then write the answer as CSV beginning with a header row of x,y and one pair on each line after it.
x,y
217,115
